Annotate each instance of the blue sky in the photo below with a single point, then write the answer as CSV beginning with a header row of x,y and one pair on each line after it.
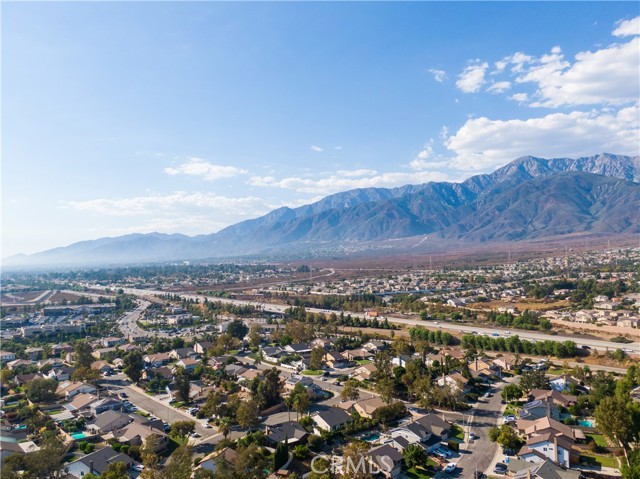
x,y
187,117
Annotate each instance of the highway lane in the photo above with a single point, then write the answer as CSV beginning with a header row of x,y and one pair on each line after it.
x,y
599,344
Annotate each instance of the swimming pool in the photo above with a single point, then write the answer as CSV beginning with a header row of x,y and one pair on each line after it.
x,y
585,423
373,437
79,435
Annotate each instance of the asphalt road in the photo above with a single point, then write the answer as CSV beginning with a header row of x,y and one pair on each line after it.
x,y
154,405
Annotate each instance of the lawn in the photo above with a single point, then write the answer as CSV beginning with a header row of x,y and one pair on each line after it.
x,y
417,473
597,459
598,439
312,372
510,411
457,432
362,362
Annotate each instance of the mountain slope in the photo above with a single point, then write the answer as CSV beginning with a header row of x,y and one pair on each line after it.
x,y
527,198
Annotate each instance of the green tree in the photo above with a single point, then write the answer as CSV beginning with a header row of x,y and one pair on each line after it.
x,y
317,358
350,390
251,463
247,413
150,458
183,385
134,365
115,470
183,428
180,464
386,388
83,355
47,462
237,329
255,335
615,419
281,455
301,400
414,455
42,390
511,392
534,380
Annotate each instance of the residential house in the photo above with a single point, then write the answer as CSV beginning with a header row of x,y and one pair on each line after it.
x,y
182,353
455,381
546,469
211,461
96,463
69,389
330,419
101,366
157,360
301,349
33,353
400,360
357,354
60,374
323,343
102,353
386,460
111,342
189,364
105,404
80,404
561,383
135,433
558,398
163,372
375,345
24,379
8,448
336,360
291,432
109,421
540,447
505,363
364,372
367,407
538,409
7,356
272,354
201,347
436,425
295,379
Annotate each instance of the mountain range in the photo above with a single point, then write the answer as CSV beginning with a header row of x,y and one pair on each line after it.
x,y
529,198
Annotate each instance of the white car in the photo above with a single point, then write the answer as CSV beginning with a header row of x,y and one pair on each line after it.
x,y
450,467
206,424
138,467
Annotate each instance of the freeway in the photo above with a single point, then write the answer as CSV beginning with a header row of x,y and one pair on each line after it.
x,y
599,344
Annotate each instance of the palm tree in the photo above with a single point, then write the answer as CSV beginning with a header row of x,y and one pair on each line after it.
x,y
224,427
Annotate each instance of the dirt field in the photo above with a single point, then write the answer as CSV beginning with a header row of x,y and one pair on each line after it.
x,y
531,304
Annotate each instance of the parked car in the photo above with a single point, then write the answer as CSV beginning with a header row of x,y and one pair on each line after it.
x,y
500,468
123,395
138,467
450,467
445,451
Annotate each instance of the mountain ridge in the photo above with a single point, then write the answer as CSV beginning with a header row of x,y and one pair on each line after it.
x,y
482,208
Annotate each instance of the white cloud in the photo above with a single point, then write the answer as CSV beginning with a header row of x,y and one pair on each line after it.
x,y
208,171
482,144
356,173
316,148
422,161
500,66
472,78
518,60
607,76
438,75
157,204
341,182
519,97
444,132
499,87
627,28
337,148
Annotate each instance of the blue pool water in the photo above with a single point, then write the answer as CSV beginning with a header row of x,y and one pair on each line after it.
x,y
371,437
20,427
78,435
585,423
